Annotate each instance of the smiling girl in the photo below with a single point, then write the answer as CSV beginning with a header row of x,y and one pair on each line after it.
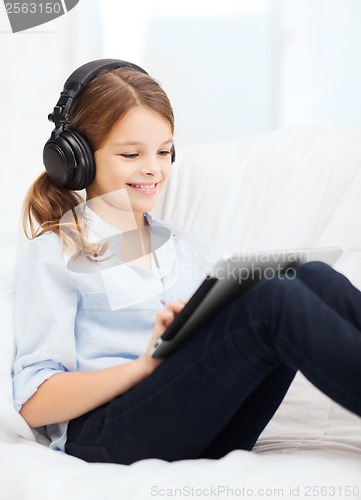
x,y
101,279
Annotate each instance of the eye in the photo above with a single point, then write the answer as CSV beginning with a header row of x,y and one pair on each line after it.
x,y
130,156
164,153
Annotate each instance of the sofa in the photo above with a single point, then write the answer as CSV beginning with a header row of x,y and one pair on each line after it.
x,y
292,188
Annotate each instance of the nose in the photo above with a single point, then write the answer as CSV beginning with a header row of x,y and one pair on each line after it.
x,y
151,165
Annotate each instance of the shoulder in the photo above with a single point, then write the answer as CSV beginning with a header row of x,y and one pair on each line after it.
x,y
44,250
49,239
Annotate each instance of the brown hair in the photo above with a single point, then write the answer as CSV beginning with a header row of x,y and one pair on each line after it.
x,y
104,101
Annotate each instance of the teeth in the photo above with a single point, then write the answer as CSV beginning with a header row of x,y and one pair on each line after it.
x,y
142,186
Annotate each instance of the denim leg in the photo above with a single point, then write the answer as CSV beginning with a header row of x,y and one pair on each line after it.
x,y
334,289
247,424
180,409
326,343
245,427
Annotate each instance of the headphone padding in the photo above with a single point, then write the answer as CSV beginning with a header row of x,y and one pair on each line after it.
x,y
69,160
85,171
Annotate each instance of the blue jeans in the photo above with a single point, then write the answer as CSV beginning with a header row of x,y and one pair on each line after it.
x,y
219,390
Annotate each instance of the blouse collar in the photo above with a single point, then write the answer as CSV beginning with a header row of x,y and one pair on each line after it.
x,y
164,255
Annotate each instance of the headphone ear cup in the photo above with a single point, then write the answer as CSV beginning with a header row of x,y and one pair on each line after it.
x,y
173,154
69,160
85,171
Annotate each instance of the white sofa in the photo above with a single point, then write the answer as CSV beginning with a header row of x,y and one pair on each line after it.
x,y
290,188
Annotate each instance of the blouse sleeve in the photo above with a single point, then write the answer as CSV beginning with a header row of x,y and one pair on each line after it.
x,y
45,312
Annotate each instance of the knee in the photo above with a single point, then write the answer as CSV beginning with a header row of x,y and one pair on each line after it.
x,y
314,268
316,275
277,288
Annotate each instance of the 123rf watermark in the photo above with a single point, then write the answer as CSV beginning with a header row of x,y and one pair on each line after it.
x,y
291,491
28,14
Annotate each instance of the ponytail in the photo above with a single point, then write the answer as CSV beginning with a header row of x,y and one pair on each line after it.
x,y
56,209
46,204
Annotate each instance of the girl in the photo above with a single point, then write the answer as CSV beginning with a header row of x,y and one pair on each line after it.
x,y
101,280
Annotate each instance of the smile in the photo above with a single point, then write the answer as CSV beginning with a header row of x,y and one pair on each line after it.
x,y
145,188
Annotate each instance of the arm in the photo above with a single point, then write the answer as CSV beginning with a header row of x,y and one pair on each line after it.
x,y
68,395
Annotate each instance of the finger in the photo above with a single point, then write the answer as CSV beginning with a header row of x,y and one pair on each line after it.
x,y
164,313
164,318
167,318
174,306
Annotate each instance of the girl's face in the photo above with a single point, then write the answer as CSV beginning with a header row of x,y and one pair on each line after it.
x,y
133,164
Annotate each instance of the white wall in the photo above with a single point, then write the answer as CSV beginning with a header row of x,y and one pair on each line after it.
x,y
320,65
218,71
215,59
243,66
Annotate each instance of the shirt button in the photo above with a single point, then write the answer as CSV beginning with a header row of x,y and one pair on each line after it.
x,y
162,302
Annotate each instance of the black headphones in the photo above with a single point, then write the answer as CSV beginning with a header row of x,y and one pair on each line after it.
x,y
68,157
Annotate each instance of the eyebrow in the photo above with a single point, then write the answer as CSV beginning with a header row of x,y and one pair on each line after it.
x,y
137,143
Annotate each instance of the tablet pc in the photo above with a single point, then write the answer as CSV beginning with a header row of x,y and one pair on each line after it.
x,y
230,277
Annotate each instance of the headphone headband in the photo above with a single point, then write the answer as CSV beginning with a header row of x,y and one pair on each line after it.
x,y
88,71
76,83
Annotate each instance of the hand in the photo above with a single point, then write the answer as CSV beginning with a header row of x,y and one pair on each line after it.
x,y
163,319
